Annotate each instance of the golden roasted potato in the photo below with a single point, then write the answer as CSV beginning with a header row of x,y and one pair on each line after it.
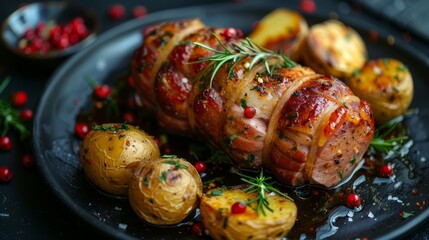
x,y
282,29
108,149
334,48
165,191
387,85
221,223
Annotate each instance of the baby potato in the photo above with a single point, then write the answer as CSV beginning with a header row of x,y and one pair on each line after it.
x,y
165,191
221,223
387,85
108,149
333,48
282,29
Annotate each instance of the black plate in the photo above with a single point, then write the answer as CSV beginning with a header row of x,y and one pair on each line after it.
x,y
57,147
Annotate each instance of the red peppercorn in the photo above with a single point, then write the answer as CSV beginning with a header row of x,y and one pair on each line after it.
x,y
249,112
5,143
102,91
386,170
139,11
198,229
26,115
5,174
200,166
19,98
353,200
238,207
116,12
81,130
27,160
307,6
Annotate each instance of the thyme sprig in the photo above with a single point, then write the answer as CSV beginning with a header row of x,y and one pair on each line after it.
x,y
261,186
381,143
9,117
235,52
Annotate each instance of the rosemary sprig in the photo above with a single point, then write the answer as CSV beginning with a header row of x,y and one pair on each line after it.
x,y
380,143
261,186
9,117
238,51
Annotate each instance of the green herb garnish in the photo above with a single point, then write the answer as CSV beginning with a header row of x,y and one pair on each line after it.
x,y
111,127
260,185
163,177
381,143
238,51
406,215
9,117
216,193
177,164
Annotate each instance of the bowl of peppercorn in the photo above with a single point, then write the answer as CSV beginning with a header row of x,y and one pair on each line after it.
x,y
48,31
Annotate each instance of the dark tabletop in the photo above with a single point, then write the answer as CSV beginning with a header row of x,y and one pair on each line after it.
x,y
28,208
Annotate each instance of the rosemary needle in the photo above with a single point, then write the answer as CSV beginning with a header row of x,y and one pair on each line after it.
x,y
237,52
261,186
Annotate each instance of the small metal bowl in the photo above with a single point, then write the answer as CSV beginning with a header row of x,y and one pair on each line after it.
x,y
29,16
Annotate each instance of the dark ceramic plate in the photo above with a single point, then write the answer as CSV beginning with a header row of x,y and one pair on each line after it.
x,y
57,147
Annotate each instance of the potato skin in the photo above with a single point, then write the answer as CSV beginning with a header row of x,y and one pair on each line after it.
x,y
387,85
105,155
283,30
222,224
165,191
333,48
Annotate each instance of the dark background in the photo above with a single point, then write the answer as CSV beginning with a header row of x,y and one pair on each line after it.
x,y
28,208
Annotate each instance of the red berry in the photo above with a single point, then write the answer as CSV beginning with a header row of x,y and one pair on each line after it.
x,y
26,115
63,42
232,33
157,141
249,112
167,151
129,117
386,170
102,92
19,98
198,229
116,12
40,28
67,29
81,129
353,200
139,11
5,174
200,166
238,207
130,81
27,160
307,6
29,34
5,143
